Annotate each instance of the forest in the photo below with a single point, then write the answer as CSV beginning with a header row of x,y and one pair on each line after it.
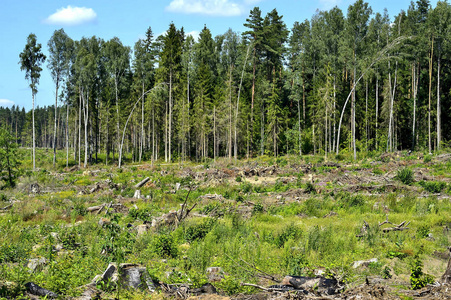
x,y
356,81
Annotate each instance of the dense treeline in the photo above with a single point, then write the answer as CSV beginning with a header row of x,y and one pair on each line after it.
x,y
356,82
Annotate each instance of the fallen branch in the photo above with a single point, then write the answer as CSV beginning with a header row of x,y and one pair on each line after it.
x,y
182,216
402,226
6,207
263,288
142,182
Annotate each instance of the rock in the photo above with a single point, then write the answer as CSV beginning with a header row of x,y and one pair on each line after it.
x,y
319,284
207,288
364,263
87,173
34,188
135,276
90,292
142,229
36,290
177,186
104,221
215,274
58,247
36,264
107,276
137,194
165,220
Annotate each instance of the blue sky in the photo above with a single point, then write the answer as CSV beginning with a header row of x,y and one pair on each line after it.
x,y
128,20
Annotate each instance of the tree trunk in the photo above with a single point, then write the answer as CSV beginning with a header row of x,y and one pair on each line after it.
x,y
67,135
170,116
430,94
56,113
34,135
439,132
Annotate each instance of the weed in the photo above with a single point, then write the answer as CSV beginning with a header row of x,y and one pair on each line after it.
x,y
405,175
433,186
418,279
310,188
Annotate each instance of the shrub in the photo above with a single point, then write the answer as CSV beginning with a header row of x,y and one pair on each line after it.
x,y
310,188
433,186
418,279
427,158
199,231
405,175
258,208
164,245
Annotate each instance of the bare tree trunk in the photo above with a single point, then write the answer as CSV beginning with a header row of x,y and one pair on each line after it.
x,y
214,133
238,104
170,116
415,76
141,145
430,94
56,113
79,129
439,131
377,109
67,135
299,127
34,134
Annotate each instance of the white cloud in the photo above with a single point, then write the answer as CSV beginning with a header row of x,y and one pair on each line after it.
x,y
223,8
328,4
72,16
6,102
251,2
195,34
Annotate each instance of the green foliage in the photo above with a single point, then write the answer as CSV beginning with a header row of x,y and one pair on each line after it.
x,y
433,186
405,175
9,162
163,245
427,158
310,188
200,230
418,279
258,208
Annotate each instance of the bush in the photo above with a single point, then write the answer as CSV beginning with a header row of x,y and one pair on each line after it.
x,y
164,245
433,186
310,188
418,279
405,175
199,231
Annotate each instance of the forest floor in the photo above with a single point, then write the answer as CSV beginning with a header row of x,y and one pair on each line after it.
x,y
266,228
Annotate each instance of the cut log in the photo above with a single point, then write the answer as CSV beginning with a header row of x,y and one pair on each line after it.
x,y
446,278
142,182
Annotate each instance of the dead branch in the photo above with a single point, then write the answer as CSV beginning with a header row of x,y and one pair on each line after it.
x,y
402,226
263,288
6,207
184,214
142,182
262,273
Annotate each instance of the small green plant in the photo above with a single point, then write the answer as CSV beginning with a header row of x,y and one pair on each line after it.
x,y
418,279
258,208
427,158
310,188
405,175
238,179
433,186
423,231
386,273
164,245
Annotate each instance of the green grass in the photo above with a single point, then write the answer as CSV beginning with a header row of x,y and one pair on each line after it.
x,y
280,237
